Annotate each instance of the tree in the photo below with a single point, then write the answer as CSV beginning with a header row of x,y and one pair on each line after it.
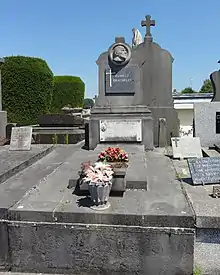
x,y
27,86
68,91
206,87
88,103
188,90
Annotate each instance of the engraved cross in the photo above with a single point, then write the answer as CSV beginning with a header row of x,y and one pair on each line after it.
x,y
148,23
176,139
110,77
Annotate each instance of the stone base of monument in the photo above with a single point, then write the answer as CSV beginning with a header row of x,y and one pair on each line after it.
x,y
48,228
3,123
130,124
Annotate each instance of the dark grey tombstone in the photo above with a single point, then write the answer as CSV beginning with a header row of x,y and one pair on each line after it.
x,y
120,95
119,85
215,79
157,83
145,80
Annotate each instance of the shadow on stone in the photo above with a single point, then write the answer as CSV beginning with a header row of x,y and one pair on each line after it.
x,y
78,192
85,147
85,202
187,180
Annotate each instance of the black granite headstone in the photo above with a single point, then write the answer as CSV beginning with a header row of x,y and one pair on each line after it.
x,y
121,81
204,170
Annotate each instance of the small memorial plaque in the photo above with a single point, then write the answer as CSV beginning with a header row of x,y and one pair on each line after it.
x,y
121,130
204,170
186,147
21,139
121,81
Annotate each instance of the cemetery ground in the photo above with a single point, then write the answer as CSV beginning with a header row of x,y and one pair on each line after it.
x,y
46,227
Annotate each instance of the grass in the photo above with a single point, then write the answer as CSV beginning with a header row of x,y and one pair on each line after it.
x,y
197,271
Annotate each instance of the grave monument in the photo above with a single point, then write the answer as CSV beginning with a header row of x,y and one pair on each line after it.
x,y
135,91
3,114
207,116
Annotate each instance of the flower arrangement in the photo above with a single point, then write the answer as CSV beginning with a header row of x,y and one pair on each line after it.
x,y
98,174
113,154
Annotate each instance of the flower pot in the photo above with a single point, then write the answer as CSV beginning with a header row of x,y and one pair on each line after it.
x,y
100,194
119,182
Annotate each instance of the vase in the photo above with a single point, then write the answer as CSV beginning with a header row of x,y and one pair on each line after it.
x,y
119,181
100,194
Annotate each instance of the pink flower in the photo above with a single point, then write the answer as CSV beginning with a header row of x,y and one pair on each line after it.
x,y
100,173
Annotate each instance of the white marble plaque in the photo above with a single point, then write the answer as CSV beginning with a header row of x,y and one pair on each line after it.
x,y
21,139
121,130
186,147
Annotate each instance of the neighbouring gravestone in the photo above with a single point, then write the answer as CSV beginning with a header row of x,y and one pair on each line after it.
x,y
21,139
65,128
204,170
60,120
207,116
215,79
134,85
3,114
186,147
207,123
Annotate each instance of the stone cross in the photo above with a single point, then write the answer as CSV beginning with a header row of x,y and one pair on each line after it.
x,y
148,23
2,61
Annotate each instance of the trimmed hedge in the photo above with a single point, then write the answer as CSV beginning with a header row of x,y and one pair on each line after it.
x,y
27,86
68,91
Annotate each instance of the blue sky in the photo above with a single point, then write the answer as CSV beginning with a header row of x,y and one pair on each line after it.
x,y
71,34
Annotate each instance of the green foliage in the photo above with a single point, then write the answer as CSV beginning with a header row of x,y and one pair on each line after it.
x,y
27,86
88,103
206,87
68,91
66,139
188,90
197,271
55,139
